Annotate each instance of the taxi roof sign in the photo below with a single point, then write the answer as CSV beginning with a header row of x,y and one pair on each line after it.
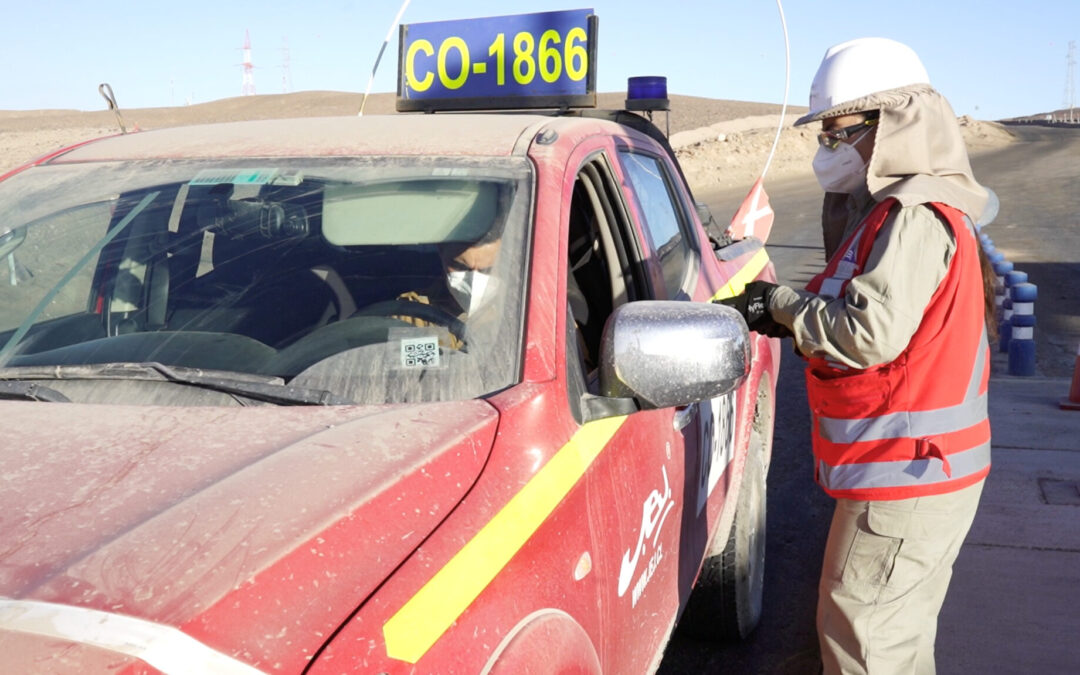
x,y
541,60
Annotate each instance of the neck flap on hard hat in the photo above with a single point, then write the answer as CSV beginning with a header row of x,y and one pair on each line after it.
x,y
919,153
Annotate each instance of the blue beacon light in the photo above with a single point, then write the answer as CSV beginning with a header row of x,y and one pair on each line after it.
x,y
647,94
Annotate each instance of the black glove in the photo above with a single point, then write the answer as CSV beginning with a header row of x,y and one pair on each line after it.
x,y
753,304
770,328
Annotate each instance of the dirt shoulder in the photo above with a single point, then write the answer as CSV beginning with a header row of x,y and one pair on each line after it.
x,y
731,153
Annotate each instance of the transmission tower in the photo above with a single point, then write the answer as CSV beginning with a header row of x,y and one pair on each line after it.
x,y
1070,81
286,70
247,87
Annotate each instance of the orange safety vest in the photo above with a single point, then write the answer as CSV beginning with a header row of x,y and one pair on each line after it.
x,y
918,425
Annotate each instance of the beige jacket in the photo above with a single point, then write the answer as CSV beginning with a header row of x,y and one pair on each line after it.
x,y
883,306
919,156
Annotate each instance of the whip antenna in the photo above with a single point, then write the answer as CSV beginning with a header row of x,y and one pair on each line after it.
x,y
107,93
754,217
787,83
389,34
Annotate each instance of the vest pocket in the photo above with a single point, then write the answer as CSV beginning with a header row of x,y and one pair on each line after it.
x,y
857,396
934,448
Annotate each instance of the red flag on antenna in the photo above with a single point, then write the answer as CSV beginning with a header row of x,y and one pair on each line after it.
x,y
754,217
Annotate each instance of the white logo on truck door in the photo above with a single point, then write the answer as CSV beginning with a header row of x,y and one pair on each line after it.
x,y
653,513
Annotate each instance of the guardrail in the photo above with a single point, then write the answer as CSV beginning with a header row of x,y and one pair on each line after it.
x,y
1041,123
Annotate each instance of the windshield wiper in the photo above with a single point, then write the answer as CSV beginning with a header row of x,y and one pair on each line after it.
x,y
263,388
30,391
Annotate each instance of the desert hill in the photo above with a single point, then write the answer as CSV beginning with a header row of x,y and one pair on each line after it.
x,y
720,143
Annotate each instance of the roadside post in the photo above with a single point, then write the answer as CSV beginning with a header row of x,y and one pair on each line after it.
x,y
1022,341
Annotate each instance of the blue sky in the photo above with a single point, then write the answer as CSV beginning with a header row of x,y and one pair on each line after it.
x,y
991,59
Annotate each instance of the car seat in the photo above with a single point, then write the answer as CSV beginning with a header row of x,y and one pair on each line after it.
x,y
266,290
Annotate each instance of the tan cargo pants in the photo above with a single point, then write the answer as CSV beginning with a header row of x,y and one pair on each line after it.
x,y
887,568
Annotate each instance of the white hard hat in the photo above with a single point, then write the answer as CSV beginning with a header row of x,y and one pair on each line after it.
x,y
857,68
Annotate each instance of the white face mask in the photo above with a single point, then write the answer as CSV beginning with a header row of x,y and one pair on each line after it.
x,y
467,287
842,169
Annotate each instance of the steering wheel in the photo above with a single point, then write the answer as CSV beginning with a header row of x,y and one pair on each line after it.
x,y
420,310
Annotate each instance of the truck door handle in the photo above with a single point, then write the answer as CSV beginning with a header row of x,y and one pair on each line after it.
x,y
684,415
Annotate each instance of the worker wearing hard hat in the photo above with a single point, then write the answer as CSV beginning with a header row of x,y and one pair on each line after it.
x,y
895,332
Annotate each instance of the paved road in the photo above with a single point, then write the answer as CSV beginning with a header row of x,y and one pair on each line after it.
x,y
1038,181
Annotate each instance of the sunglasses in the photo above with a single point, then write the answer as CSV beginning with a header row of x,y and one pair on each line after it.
x,y
831,138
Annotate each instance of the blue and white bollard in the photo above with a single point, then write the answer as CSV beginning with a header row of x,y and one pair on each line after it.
x,y
1008,306
1022,340
1001,269
1014,277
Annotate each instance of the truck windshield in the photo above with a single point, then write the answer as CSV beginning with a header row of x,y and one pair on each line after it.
x,y
378,279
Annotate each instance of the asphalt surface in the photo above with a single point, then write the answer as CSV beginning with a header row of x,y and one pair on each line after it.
x,y
1012,605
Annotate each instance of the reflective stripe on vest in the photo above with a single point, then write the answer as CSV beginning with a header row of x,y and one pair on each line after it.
x,y
846,268
904,424
970,412
904,473
960,422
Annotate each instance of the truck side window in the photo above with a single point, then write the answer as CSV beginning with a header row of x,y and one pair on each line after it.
x,y
664,222
604,264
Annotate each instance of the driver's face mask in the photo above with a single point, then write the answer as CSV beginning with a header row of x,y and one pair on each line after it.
x,y
468,287
468,275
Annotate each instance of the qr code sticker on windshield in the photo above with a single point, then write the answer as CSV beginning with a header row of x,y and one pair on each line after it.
x,y
420,352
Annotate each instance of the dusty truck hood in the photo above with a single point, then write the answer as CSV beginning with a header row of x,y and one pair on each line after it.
x,y
255,531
